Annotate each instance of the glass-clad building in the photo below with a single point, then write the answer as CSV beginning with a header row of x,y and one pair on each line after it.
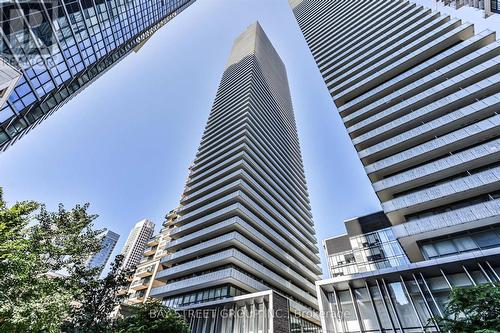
x,y
60,46
363,252
495,6
108,243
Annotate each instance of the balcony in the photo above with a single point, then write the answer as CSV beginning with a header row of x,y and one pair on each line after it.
x,y
122,291
150,250
147,271
146,259
137,297
154,241
140,284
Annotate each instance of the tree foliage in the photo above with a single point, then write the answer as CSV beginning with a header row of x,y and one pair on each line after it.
x,y
97,299
152,317
33,243
473,310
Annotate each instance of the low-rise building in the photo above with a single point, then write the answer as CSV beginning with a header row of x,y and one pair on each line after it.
x,y
379,281
144,278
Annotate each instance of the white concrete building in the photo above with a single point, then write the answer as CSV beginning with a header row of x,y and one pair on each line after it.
x,y
419,94
244,224
136,243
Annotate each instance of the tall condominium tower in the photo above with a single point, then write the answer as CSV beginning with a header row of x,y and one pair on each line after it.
x,y
136,243
59,47
244,234
108,243
419,94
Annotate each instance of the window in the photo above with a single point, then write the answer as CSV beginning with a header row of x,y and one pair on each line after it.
x,y
464,244
487,239
470,240
445,247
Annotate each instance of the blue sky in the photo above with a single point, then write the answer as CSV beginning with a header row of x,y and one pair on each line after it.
x,y
125,143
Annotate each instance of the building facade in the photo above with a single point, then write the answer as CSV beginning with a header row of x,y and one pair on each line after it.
x,y
489,6
244,224
144,279
135,245
8,80
419,94
368,245
108,243
59,47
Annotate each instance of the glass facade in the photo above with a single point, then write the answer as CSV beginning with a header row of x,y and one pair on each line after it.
x,y
251,318
202,296
108,243
470,240
495,6
370,251
401,302
300,325
60,46
247,315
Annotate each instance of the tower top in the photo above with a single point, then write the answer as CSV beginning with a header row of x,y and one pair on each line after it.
x,y
253,42
294,3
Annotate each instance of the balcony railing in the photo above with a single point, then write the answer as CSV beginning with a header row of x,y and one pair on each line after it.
x,y
154,241
145,271
137,295
140,284
150,250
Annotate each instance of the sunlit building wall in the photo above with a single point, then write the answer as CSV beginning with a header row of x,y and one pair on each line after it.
x,y
244,234
419,94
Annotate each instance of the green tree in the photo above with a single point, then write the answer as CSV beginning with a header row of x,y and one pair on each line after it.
x,y
151,317
473,309
97,298
33,243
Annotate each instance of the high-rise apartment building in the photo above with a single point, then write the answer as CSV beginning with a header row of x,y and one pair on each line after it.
x,y
108,243
59,47
244,238
136,243
419,94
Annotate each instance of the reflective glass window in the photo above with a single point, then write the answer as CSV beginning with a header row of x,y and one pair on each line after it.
x,y
348,311
368,316
404,308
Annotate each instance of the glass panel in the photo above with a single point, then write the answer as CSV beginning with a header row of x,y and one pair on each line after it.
x,y
459,280
437,283
429,251
261,318
465,244
381,309
487,239
403,306
368,316
479,277
336,313
418,301
445,247
348,311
